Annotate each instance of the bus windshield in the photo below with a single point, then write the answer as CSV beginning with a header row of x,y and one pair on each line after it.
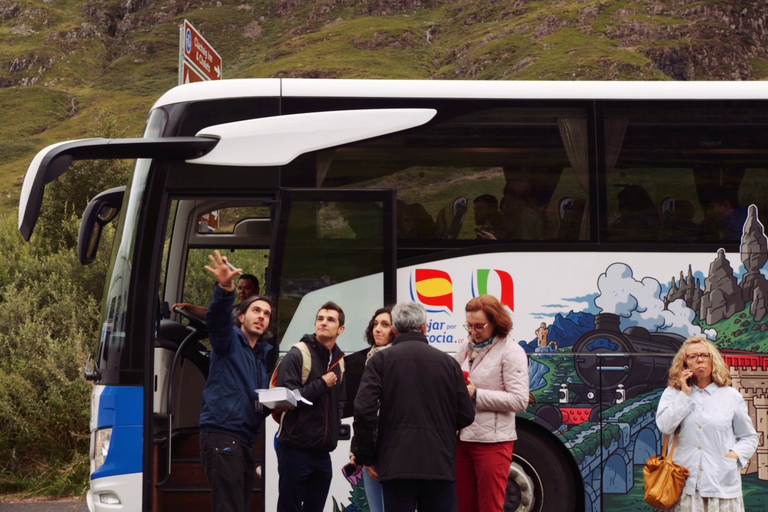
x,y
116,351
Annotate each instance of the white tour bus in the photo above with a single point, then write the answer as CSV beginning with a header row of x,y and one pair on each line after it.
x,y
613,219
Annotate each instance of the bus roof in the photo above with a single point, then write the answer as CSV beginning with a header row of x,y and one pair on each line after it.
x,y
464,89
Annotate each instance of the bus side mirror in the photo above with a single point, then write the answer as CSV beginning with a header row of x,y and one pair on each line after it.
x,y
100,211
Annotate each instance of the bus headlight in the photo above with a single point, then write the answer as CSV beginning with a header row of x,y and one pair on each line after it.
x,y
101,446
109,498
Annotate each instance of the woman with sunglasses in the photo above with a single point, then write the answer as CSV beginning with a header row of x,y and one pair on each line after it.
x,y
497,379
716,436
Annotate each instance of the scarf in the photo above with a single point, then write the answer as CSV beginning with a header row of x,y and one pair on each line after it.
x,y
476,348
374,349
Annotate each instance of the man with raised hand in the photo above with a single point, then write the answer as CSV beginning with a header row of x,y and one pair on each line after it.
x,y
231,414
309,433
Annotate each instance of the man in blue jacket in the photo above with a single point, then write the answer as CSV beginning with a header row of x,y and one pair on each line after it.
x,y
231,413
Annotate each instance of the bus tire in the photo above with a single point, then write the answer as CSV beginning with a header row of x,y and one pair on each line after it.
x,y
542,477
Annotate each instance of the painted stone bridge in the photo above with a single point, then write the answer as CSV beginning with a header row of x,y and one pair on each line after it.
x,y
627,438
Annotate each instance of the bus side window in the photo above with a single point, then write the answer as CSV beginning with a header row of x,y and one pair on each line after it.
x,y
698,176
483,171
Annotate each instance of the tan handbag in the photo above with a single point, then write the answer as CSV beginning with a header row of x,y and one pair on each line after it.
x,y
664,480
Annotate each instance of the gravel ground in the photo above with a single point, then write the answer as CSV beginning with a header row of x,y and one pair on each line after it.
x,y
10,504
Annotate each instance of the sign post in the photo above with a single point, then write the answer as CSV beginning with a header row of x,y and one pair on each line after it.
x,y
189,74
198,61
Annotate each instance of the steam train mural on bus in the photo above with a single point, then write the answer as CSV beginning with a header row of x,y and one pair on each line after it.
x,y
612,366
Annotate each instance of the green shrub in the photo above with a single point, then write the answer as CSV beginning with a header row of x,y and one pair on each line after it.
x,y
49,317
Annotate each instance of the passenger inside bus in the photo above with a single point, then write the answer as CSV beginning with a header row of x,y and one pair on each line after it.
x,y
520,218
567,217
416,222
678,224
724,218
487,216
638,218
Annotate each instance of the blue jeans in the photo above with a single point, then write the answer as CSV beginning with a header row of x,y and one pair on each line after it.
x,y
373,493
305,477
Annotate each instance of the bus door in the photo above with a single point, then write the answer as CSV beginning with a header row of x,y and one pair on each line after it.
x,y
330,245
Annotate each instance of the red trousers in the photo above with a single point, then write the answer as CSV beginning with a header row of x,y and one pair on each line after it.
x,y
482,470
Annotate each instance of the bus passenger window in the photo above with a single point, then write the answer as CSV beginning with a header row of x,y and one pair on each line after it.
x,y
684,172
499,172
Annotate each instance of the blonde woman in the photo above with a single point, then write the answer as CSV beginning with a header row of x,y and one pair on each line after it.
x,y
716,437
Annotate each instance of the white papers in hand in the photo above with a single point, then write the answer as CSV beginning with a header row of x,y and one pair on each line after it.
x,y
273,397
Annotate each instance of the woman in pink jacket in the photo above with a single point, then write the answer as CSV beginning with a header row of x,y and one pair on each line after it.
x,y
498,384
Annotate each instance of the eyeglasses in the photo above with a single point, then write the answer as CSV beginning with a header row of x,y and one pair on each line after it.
x,y
693,357
475,327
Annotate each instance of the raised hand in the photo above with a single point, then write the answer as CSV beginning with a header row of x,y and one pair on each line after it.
x,y
223,272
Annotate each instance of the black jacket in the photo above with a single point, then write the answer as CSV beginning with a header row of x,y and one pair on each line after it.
x,y
313,427
422,401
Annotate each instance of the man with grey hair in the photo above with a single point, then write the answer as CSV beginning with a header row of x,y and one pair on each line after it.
x,y
411,402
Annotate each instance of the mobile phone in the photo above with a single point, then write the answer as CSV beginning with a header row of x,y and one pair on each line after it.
x,y
690,379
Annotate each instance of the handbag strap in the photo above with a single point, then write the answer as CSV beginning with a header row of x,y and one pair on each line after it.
x,y
672,448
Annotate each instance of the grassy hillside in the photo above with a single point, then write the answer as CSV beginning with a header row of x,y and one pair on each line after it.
x,y
61,61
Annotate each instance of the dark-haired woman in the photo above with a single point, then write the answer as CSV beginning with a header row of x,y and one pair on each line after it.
x,y
716,437
498,384
379,335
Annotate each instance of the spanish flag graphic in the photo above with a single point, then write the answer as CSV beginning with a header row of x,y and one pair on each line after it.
x,y
499,283
433,288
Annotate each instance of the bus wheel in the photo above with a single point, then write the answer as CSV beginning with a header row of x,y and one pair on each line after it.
x,y
520,488
540,478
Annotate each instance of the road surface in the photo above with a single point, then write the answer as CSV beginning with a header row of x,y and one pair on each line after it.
x,y
43,506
